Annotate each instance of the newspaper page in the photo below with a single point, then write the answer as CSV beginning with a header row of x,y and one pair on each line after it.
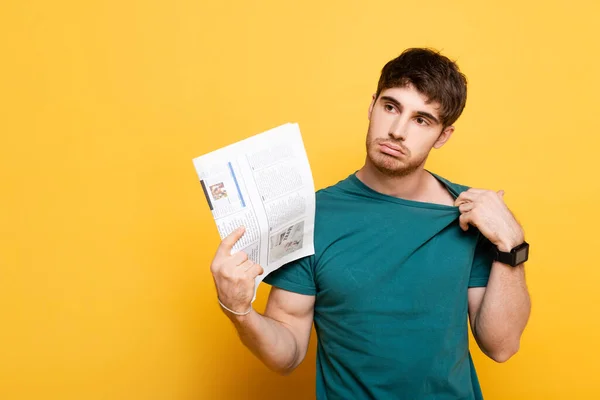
x,y
265,184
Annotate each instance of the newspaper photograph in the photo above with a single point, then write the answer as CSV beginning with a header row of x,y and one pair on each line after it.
x,y
264,183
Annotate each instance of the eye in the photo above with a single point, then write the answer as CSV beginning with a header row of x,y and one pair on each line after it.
x,y
389,107
422,121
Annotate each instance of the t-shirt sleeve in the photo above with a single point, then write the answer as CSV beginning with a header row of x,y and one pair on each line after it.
x,y
482,262
296,276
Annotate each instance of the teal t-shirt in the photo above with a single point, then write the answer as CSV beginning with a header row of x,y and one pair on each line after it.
x,y
390,278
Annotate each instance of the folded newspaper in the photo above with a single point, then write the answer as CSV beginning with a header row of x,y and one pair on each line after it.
x,y
265,184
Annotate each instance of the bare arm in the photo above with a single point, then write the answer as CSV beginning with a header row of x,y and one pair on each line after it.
x,y
280,337
499,313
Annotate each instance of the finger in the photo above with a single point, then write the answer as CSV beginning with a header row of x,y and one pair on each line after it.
x,y
458,202
239,258
466,207
464,220
471,194
246,265
231,239
254,271
467,195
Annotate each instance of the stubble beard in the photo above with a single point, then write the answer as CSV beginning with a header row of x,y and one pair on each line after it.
x,y
387,164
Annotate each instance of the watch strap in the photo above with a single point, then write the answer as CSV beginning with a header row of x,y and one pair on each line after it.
x,y
517,255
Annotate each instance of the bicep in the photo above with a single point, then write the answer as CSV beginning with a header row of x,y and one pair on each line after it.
x,y
295,311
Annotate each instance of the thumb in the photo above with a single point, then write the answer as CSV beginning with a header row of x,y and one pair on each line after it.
x,y
228,242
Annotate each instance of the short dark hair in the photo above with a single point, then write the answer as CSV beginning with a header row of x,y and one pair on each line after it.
x,y
433,75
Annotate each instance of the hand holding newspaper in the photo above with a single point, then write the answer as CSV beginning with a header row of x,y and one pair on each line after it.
x,y
265,184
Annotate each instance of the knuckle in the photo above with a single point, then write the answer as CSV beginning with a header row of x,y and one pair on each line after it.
x,y
227,274
222,276
215,265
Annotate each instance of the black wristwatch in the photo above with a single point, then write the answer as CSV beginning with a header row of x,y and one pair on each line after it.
x,y
518,255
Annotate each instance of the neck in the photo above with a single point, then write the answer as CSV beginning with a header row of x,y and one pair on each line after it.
x,y
412,186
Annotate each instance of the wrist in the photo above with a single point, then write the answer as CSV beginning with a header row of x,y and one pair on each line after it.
x,y
517,255
507,244
235,313
239,320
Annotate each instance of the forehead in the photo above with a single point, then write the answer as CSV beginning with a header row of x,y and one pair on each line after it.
x,y
411,99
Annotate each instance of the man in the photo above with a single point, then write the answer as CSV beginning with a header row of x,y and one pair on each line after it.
x,y
402,257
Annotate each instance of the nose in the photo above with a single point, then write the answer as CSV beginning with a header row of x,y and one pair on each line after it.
x,y
398,128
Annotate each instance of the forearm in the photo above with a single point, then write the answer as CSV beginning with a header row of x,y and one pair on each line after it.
x,y
269,340
504,312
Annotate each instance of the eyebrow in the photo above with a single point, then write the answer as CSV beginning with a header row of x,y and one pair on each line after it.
x,y
419,113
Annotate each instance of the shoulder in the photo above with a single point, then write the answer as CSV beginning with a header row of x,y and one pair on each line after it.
x,y
337,206
340,190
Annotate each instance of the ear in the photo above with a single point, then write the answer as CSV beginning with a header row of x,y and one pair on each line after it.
x,y
444,137
373,99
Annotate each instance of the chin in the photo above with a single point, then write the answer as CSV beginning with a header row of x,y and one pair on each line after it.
x,y
391,166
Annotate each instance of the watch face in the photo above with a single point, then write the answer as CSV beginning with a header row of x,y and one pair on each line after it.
x,y
521,256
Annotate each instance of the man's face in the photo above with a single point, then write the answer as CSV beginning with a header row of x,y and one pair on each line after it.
x,y
403,128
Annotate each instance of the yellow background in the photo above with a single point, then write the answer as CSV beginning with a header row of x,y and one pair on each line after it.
x,y
106,239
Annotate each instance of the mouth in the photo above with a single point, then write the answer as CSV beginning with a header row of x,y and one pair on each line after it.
x,y
392,149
